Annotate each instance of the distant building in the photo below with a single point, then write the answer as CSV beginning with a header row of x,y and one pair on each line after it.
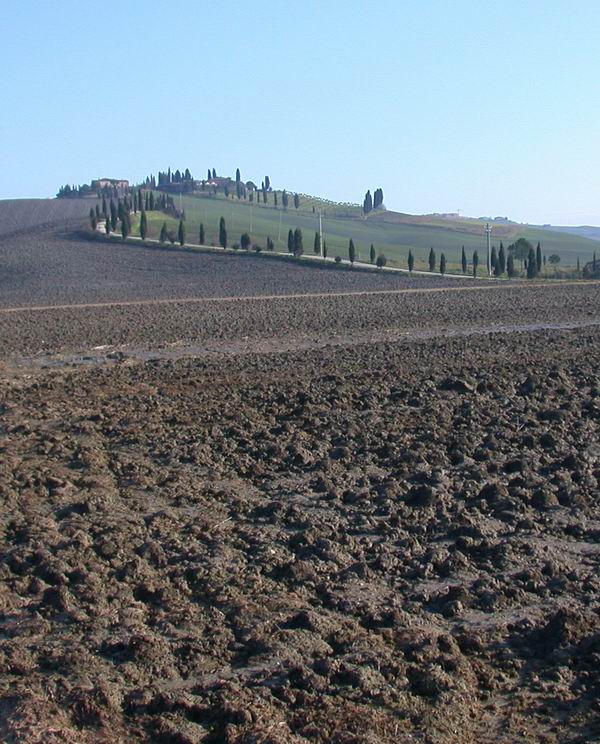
x,y
111,183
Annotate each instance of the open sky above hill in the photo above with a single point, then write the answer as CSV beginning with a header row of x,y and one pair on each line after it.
x,y
474,106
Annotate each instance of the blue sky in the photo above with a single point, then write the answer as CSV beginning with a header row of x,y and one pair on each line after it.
x,y
487,107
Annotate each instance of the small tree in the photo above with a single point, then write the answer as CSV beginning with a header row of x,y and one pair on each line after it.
x,y
431,260
143,225
381,261
538,258
372,254
475,262
181,233
290,241
298,247
442,264
245,241
296,201
351,251
501,263
163,233
510,265
124,227
324,249
411,261
222,233
93,221
107,225
463,261
317,245
554,259
532,268
493,259
201,236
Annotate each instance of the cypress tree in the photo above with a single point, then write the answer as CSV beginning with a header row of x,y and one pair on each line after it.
x,y
113,215
463,261
431,260
151,200
92,218
475,263
493,259
296,201
275,198
201,234
501,260
107,225
181,233
285,199
351,251
267,183
532,268
290,241
372,254
104,206
317,247
367,203
238,176
143,226
245,241
324,249
538,258
578,268
124,228
442,264
163,233
411,261
510,265
298,247
222,233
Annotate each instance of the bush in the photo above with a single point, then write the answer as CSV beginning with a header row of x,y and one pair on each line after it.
x,y
338,259
258,248
381,261
235,246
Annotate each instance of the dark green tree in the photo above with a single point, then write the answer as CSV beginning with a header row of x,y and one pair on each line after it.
x,y
222,233
296,201
532,269
245,241
151,202
104,206
475,263
578,265
463,261
298,247
372,254
201,236
538,258
163,233
510,265
290,241
181,233
93,222
381,261
113,215
107,225
431,260
238,176
493,259
317,245
367,203
285,199
324,249
501,265
521,250
351,251
411,261
124,227
143,226
275,198
443,264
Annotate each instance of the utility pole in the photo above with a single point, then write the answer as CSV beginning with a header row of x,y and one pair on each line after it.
x,y
488,232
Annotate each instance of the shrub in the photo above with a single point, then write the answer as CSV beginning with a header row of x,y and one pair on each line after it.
x,y
381,261
338,259
258,248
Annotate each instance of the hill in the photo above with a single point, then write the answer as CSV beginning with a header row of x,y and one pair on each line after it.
x,y
392,233
583,231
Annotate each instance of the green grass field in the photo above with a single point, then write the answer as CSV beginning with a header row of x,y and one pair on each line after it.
x,y
392,233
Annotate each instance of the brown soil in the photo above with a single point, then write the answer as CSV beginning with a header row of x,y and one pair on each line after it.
x,y
360,541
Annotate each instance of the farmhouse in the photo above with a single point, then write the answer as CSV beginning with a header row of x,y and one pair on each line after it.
x,y
111,183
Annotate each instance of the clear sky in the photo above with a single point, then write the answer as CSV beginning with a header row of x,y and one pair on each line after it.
x,y
488,107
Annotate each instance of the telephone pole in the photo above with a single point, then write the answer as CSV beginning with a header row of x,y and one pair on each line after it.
x,y
488,232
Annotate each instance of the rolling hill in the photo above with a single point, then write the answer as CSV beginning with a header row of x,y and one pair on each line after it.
x,y
392,233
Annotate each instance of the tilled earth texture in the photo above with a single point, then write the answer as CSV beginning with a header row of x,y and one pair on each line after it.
x,y
383,530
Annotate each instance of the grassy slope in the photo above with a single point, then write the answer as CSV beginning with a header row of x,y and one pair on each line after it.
x,y
391,232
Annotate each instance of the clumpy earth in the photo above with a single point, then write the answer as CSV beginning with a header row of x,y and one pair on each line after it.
x,y
383,542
